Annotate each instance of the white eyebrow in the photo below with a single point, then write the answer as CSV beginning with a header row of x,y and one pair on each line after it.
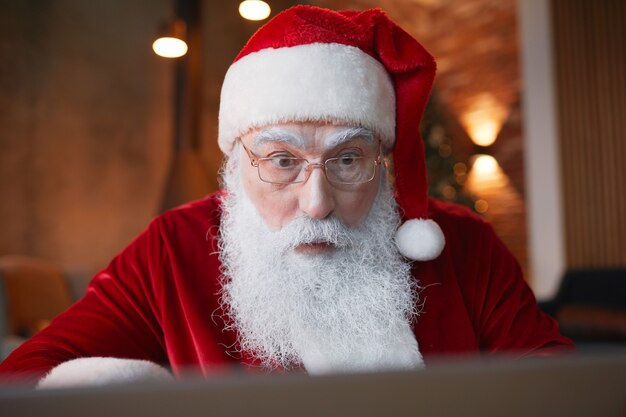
x,y
274,134
347,135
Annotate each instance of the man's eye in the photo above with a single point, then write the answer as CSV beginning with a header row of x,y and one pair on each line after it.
x,y
347,158
284,161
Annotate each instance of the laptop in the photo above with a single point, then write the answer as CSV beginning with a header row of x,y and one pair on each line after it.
x,y
590,386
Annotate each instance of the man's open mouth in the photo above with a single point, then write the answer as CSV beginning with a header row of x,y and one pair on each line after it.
x,y
315,247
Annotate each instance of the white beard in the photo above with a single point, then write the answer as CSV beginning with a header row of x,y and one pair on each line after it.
x,y
345,310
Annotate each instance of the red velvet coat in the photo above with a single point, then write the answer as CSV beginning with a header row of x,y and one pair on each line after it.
x,y
157,300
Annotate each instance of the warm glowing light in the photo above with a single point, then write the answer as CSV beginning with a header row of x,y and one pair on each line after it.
x,y
493,194
169,47
484,176
481,206
485,165
484,133
254,9
483,119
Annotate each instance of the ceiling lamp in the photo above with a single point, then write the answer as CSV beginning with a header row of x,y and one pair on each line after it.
x,y
254,9
172,42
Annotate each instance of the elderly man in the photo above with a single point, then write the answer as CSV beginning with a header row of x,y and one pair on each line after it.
x,y
310,258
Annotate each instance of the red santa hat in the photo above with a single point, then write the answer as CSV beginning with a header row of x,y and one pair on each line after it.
x,y
347,67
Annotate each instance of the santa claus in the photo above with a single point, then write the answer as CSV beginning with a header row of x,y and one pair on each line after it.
x,y
318,255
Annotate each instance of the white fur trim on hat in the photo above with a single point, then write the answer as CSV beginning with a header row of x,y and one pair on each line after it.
x,y
325,82
97,371
420,239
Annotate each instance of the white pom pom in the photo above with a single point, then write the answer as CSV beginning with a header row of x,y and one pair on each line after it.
x,y
420,239
97,371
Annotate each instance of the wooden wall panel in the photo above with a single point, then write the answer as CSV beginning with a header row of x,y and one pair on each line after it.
x,y
590,72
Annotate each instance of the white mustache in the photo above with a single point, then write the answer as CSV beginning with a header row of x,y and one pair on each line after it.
x,y
304,231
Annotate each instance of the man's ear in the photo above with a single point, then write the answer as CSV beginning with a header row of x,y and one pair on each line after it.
x,y
97,371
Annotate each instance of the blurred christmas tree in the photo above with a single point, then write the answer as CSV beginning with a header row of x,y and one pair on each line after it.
x,y
446,174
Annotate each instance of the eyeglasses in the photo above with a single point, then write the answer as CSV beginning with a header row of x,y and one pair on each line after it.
x,y
345,169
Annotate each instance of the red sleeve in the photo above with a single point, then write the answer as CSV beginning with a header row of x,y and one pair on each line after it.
x,y
117,317
509,317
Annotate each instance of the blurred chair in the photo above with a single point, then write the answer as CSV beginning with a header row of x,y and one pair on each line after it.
x,y
32,292
590,307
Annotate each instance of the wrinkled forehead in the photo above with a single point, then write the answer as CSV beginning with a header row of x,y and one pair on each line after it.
x,y
306,135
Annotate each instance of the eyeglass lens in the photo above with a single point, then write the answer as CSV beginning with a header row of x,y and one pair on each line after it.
x,y
343,170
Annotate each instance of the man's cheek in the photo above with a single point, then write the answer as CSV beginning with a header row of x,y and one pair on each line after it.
x,y
354,207
276,208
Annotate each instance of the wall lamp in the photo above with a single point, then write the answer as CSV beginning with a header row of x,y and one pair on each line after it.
x,y
483,119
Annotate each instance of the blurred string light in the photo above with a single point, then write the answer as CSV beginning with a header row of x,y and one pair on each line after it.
x,y
448,192
460,169
460,173
481,206
171,43
254,10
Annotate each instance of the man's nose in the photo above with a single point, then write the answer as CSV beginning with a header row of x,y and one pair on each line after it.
x,y
316,197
